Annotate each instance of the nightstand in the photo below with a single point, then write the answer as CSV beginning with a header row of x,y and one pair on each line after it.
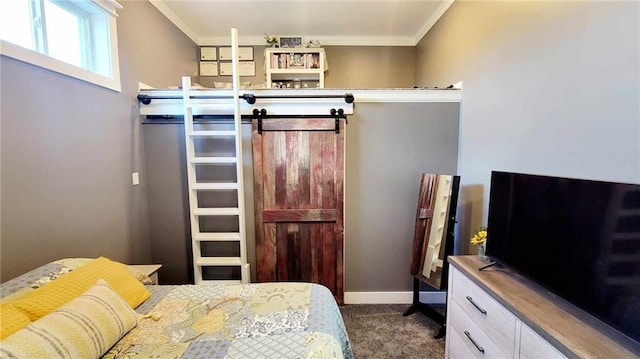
x,y
151,270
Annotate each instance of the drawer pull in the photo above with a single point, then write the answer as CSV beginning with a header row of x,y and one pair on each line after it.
x,y
476,305
480,349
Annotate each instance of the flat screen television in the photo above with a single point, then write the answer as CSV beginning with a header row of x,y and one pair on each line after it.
x,y
580,239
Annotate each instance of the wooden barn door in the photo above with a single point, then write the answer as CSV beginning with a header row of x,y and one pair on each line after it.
x,y
298,179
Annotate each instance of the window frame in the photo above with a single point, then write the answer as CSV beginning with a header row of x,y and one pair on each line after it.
x,y
106,63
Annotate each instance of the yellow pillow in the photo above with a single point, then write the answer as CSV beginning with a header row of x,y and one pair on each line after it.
x,y
44,300
11,320
86,327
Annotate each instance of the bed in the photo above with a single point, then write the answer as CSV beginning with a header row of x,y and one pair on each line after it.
x,y
266,320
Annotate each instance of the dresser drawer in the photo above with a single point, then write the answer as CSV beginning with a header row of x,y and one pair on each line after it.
x,y
457,348
532,346
474,337
494,319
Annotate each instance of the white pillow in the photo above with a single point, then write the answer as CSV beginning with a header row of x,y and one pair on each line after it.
x,y
86,327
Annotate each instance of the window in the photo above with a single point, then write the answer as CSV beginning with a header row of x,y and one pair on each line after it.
x,y
73,37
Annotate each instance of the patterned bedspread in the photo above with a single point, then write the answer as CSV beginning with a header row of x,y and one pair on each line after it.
x,y
267,320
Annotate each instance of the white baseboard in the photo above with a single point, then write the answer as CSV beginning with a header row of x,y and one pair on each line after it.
x,y
393,297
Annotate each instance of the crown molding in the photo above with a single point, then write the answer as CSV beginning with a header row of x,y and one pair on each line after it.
x,y
324,40
175,19
226,41
364,40
432,21
110,6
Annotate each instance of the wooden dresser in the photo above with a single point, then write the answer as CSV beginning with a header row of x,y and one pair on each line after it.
x,y
495,313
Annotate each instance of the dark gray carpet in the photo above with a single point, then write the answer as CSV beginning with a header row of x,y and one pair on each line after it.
x,y
380,331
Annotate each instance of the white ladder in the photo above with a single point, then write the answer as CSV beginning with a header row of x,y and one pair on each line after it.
x,y
196,213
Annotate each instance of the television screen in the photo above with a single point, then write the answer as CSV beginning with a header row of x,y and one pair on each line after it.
x,y
578,238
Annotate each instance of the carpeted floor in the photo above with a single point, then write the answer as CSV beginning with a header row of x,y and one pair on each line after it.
x,y
380,331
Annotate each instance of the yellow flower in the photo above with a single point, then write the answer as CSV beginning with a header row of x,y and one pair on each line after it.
x,y
480,236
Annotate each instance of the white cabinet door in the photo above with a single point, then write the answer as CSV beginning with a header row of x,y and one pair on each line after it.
x,y
532,346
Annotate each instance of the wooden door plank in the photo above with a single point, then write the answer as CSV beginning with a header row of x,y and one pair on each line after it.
x,y
315,201
328,257
315,166
304,179
294,272
328,170
297,124
305,251
328,201
291,143
268,170
316,252
280,148
339,176
268,178
300,215
267,261
281,252
262,261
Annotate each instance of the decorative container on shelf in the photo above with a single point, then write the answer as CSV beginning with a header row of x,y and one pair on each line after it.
x,y
479,239
482,251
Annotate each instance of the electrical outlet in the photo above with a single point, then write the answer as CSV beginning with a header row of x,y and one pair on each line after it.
x,y
135,177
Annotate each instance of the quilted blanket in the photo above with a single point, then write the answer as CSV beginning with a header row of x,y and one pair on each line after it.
x,y
266,320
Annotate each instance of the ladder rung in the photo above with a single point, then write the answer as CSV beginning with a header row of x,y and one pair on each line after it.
x,y
230,211
218,261
223,282
214,160
212,133
214,186
213,237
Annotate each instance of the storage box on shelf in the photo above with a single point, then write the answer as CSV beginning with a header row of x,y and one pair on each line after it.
x,y
295,67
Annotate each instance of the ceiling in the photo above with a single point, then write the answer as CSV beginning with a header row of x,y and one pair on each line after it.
x,y
331,22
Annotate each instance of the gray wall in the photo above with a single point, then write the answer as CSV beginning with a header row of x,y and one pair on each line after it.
x,y
367,67
69,148
361,67
387,147
165,166
549,88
